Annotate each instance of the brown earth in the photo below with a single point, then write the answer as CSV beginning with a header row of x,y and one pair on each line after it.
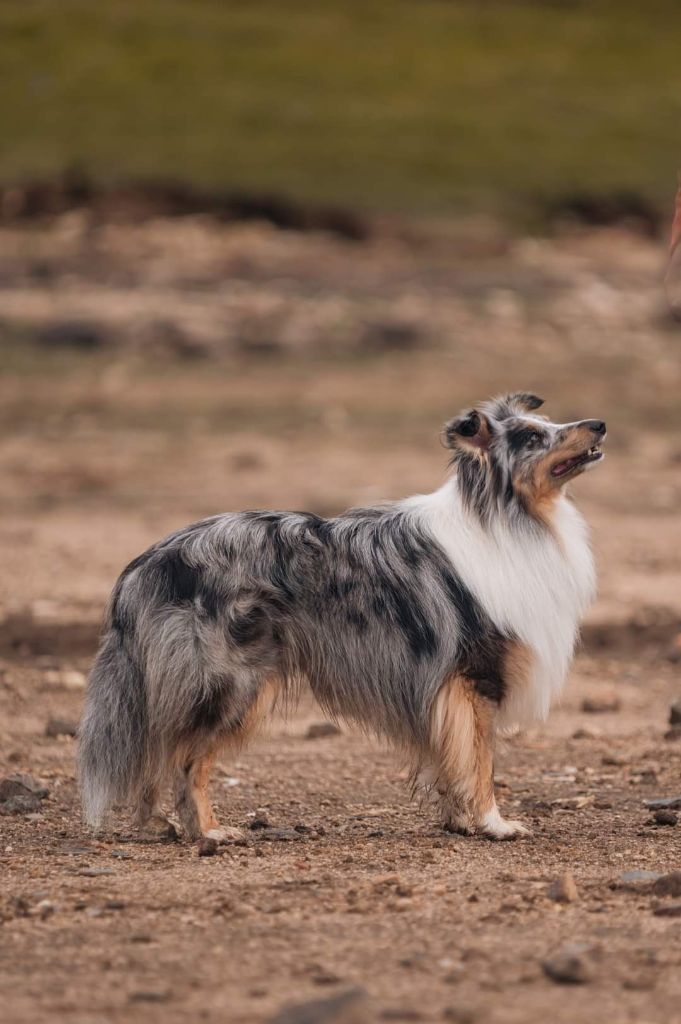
x,y
302,371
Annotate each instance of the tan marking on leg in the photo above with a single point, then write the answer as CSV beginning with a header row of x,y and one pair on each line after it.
x,y
462,737
150,817
193,775
191,796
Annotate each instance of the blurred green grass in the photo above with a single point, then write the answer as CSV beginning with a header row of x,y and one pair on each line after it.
x,y
423,106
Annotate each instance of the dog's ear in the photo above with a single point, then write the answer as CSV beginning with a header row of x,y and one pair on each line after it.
x,y
525,401
470,432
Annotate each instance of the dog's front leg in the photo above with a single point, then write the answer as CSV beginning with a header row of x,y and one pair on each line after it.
x,y
463,741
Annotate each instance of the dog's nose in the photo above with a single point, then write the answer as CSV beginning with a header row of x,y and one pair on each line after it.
x,y
597,426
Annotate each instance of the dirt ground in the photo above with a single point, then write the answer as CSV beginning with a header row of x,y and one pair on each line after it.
x,y
241,367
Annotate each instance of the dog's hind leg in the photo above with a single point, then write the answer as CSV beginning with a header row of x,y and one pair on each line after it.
x,y
462,738
150,817
193,803
192,777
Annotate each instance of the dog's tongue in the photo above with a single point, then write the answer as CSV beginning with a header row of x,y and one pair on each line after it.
x,y
562,467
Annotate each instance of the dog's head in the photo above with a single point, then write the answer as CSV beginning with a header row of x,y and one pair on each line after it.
x,y
508,454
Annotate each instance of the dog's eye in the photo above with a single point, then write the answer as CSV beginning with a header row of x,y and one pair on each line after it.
x,y
534,440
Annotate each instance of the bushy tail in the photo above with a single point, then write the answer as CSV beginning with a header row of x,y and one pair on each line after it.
x,y
113,731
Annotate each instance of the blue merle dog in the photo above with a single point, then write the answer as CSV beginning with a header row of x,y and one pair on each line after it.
x,y
436,621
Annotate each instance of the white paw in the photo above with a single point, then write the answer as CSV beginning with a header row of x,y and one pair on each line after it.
x,y
495,827
225,834
158,827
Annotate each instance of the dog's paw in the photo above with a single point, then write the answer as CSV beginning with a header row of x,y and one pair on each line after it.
x,y
505,830
493,826
225,834
158,827
458,827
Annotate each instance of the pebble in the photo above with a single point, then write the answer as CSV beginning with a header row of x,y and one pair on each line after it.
x,y
319,730
668,910
348,1007
20,805
20,784
599,705
150,996
675,713
636,880
567,966
574,803
585,734
281,835
564,889
260,821
60,727
207,847
460,1014
665,817
45,909
673,803
668,885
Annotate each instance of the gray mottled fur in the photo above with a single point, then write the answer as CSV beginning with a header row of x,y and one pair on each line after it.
x,y
365,607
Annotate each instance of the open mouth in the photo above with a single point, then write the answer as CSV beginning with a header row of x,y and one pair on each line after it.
x,y
592,454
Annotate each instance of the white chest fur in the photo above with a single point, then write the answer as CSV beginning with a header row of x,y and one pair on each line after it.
x,y
534,586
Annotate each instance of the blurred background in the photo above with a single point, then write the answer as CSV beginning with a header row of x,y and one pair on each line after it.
x,y
256,253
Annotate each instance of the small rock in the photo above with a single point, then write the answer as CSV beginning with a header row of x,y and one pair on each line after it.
x,y
115,905
460,1014
318,730
160,995
585,734
665,817
639,982
260,821
601,704
675,713
207,847
45,909
78,334
95,872
22,785
671,802
380,881
564,889
403,1013
281,835
636,880
60,727
20,805
668,885
673,734
574,803
668,910
567,966
349,1007
323,977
